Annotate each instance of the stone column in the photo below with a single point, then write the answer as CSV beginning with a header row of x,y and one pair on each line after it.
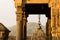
x,y
48,30
24,26
19,23
55,23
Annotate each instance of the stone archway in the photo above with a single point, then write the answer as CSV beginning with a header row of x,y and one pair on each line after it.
x,y
22,22
22,17
41,9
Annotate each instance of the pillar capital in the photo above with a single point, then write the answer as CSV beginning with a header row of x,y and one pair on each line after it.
x,y
19,10
54,3
18,3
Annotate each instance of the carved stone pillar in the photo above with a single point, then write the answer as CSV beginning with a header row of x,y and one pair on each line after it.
x,y
55,17
19,23
24,26
55,23
48,30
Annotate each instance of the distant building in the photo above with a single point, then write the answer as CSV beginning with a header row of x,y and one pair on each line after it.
x,y
4,32
39,34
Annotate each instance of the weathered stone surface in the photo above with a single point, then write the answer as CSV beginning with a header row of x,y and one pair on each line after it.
x,y
55,13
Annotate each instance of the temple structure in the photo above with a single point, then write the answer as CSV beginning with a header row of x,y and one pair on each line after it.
x,y
4,32
49,7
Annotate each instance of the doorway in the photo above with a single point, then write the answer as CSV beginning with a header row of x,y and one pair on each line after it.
x,y
38,9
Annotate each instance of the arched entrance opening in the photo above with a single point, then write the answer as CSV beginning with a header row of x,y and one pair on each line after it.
x,y
40,9
22,14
